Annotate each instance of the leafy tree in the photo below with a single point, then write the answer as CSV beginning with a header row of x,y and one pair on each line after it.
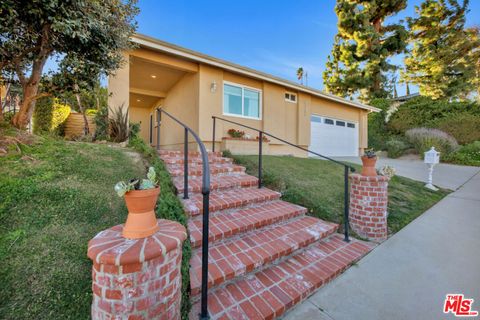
x,y
444,59
95,32
77,77
359,60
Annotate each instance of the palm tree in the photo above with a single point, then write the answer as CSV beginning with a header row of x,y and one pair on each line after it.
x,y
300,74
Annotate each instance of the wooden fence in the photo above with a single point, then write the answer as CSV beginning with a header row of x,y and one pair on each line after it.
x,y
74,125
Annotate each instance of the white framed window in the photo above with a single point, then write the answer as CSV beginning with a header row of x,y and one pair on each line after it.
x,y
242,101
328,121
291,97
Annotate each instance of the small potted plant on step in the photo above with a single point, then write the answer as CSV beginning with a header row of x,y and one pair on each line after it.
x,y
369,159
140,197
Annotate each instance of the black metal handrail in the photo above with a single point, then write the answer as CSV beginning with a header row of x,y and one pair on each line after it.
x,y
206,199
261,133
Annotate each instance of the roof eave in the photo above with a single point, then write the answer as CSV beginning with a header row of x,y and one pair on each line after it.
x,y
160,45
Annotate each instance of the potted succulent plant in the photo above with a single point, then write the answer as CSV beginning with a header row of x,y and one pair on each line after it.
x,y
140,197
369,160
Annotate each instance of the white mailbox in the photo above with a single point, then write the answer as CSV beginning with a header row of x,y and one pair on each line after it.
x,y
432,157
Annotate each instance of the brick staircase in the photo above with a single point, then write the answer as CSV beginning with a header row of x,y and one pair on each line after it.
x,y
265,254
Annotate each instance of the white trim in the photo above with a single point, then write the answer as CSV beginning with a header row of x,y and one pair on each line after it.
x,y
334,118
291,94
239,85
195,56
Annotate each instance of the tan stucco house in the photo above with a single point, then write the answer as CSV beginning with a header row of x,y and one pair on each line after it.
x,y
194,87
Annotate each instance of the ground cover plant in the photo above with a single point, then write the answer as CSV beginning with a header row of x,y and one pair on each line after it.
x,y
168,207
54,197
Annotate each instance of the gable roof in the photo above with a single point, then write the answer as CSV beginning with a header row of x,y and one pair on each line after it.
x,y
159,45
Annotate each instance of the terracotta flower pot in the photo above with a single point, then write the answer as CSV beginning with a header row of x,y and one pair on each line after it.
x,y
141,220
368,168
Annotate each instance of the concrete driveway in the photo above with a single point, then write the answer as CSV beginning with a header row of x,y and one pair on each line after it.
x,y
447,176
408,276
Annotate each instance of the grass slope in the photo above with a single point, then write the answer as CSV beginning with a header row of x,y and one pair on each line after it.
x,y
50,206
318,186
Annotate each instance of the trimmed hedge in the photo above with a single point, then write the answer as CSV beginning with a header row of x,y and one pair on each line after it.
x,y
423,111
463,126
169,207
49,116
377,128
396,147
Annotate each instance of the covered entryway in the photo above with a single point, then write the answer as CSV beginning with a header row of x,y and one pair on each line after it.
x,y
333,137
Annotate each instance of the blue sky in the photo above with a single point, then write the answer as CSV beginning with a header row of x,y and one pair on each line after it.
x,y
272,36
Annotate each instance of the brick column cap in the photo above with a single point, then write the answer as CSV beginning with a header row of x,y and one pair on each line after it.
x,y
359,177
109,247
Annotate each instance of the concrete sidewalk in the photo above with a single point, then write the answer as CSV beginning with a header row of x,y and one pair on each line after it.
x,y
445,175
408,276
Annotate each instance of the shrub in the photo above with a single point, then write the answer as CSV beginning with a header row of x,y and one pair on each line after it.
x,y
466,155
236,133
91,112
422,110
101,123
134,129
377,128
463,126
118,124
49,116
423,139
395,147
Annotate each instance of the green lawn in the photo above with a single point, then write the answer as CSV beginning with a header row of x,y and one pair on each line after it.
x,y
50,206
318,186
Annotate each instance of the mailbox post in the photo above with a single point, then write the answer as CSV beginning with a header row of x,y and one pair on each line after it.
x,y
432,157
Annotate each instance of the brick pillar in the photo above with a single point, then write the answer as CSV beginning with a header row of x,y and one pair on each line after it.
x,y
140,278
368,206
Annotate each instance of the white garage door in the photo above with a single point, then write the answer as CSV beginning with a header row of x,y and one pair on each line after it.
x,y
333,137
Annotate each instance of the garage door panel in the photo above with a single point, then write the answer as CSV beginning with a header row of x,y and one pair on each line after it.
x,y
333,139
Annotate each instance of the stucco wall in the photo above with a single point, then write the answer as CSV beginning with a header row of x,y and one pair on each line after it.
x,y
142,116
290,121
181,102
119,86
194,102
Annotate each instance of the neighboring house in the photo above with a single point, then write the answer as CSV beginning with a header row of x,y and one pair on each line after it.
x,y
194,87
406,97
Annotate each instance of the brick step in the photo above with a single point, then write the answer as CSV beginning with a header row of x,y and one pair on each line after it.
x,y
240,255
228,224
195,169
217,182
268,293
194,159
234,198
178,153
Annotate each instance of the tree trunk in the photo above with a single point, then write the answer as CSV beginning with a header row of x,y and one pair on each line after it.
x,y
86,129
1,107
30,91
21,119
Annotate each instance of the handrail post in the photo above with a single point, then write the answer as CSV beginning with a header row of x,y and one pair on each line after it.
x,y
213,135
205,233
260,140
346,208
159,119
185,165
